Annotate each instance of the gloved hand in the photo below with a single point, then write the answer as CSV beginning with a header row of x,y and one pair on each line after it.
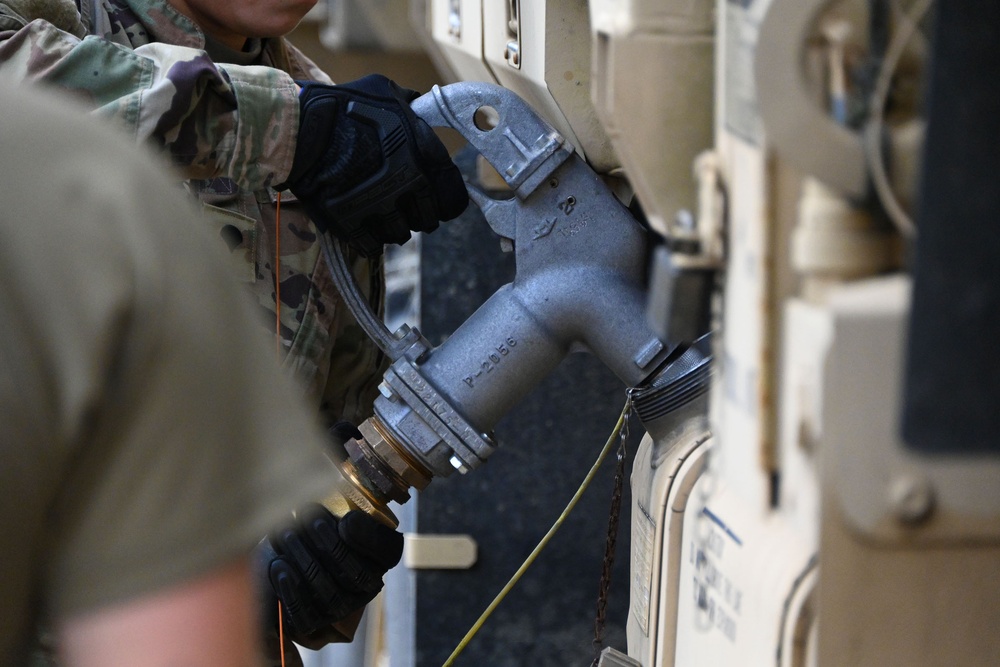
x,y
367,168
341,432
323,569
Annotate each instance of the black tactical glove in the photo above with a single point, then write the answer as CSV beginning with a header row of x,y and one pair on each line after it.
x,y
323,569
341,432
367,168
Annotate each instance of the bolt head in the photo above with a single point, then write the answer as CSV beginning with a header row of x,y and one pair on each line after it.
x,y
685,220
911,498
458,464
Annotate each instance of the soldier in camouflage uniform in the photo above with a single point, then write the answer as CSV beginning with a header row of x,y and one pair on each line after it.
x,y
231,127
213,85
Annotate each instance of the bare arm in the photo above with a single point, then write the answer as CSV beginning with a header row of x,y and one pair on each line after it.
x,y
207,622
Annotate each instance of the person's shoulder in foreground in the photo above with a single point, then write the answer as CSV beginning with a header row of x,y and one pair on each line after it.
x,y
143,452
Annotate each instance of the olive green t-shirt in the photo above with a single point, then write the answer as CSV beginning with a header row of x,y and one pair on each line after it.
x,y
141,443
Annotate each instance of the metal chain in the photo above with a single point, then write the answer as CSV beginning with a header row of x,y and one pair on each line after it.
x,y
609,550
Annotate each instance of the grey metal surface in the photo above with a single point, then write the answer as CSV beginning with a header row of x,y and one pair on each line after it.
x,y
579,281
549,441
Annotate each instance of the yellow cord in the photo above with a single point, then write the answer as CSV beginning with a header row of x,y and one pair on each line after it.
x,y
545,540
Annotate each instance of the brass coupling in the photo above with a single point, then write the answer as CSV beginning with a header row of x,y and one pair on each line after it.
x,y
380,470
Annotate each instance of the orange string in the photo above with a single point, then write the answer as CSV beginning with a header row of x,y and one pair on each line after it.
x,y
277,350
277,276
281,635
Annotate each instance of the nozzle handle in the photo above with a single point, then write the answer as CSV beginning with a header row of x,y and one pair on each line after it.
x,y
372,324
521,146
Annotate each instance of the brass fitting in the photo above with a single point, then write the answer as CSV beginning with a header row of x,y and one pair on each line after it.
x,y
378,469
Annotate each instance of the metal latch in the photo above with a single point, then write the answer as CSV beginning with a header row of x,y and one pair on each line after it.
x,y
512,54
455,18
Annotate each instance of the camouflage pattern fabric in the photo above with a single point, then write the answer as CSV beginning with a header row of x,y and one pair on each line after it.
x,y
230,129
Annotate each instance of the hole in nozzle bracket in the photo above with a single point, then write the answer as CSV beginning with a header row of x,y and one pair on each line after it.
x,y
486,118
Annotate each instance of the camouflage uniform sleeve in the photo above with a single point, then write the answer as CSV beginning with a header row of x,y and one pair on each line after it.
x,y
212,120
